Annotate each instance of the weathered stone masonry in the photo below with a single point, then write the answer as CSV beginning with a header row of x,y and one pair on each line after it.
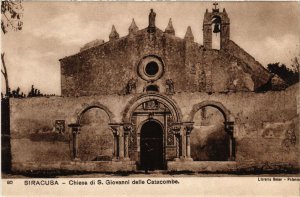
x,y
111,90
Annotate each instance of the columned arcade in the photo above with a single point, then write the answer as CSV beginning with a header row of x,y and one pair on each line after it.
x,y
153,133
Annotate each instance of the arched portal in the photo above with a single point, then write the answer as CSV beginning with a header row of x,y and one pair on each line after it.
x,y
151,144
146,107
95,141
212,138
209,139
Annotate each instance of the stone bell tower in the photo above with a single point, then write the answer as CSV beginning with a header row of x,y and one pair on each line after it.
x,y
220,23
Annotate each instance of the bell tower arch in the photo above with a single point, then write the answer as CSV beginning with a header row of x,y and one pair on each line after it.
x,y
221,24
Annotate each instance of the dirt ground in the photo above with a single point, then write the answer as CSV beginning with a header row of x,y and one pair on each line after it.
x,y
142,174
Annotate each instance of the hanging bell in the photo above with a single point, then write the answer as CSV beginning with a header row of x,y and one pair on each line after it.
x,y
216,28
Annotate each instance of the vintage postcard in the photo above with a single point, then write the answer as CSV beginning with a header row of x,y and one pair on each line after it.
x,y
150,98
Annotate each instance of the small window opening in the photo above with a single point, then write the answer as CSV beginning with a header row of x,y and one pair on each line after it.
x,y
152,88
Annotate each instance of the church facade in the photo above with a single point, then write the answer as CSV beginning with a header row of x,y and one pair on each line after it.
x,y
151,100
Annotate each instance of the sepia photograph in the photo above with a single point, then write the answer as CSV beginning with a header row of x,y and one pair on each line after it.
x,y
150,93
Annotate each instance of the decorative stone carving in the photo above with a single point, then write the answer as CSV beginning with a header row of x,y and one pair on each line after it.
x,y
115,129
133,27
176,129
131,86
170,134
170,29
170,86
151,27
60,126
189,35
127,128
229,127
189,129
192,68
151,105
113,34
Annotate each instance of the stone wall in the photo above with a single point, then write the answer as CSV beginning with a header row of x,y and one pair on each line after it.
x,y
109,66
266,125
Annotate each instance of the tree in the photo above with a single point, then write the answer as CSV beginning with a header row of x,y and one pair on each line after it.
x,y
11,18
12,14
290,76
34,92
295,64
4,72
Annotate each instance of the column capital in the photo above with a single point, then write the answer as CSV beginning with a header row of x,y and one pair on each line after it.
x,y
176,127
115,128
128,127
229,125
189,126
75,128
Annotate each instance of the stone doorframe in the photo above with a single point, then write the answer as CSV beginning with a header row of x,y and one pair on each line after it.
x,y
139,100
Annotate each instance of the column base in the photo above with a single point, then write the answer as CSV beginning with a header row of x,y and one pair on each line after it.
x,y
176,159
115,159
76,159
126,159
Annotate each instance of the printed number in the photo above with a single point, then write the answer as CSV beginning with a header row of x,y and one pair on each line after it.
x,y
10,182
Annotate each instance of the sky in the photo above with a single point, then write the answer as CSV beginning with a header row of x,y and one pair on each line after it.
x,y
269,31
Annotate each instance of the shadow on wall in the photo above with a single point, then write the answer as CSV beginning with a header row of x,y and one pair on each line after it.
x,y
95,141
209,141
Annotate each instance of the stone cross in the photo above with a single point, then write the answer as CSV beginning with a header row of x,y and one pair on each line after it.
x,y
215,4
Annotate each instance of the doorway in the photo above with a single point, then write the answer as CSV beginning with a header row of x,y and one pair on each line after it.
x,y
151,144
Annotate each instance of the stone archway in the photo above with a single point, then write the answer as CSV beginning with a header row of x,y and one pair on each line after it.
x,y
228,126
226,113
94,105
77,124
147,107
137,101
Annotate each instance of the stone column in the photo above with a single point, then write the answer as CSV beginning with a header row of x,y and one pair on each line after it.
x,y
176,131
115,130
75,131
127,129
188,128
229,129
121,145
183,144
